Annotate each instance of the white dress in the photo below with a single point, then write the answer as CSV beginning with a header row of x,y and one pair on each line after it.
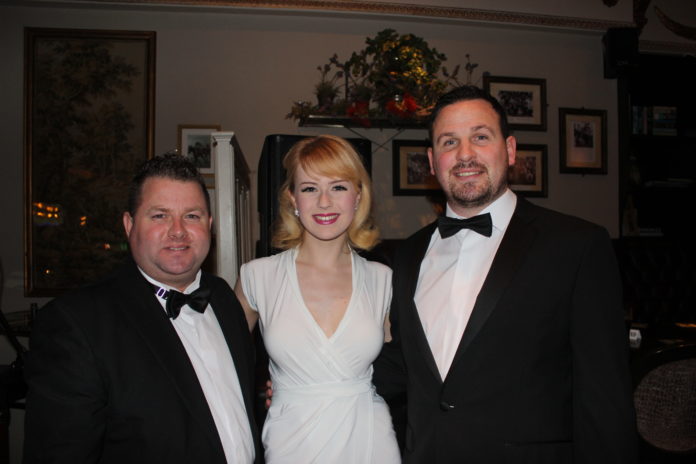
x,y
324,409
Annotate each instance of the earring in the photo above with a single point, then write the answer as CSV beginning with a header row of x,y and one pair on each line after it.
x,y
297,212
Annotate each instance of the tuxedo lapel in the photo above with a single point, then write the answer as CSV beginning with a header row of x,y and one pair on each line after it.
x,y
236,335
411,269
147,317
504,267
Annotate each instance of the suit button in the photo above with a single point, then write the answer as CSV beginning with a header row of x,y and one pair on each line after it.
x,y
445,406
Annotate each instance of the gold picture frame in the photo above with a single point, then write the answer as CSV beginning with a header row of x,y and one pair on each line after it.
x,y
89,123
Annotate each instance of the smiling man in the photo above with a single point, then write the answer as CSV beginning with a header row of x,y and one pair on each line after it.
x,y
507,323
470,155
154,363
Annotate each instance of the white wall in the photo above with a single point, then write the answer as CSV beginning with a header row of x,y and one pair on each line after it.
x,y
243,70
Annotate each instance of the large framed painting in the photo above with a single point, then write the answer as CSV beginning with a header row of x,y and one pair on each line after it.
x,y
523,98
89,119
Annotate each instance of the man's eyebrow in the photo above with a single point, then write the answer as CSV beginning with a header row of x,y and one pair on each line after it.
x,y
444,134
157,208
482,126
164,209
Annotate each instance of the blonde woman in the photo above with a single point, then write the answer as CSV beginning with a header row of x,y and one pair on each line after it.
x,y
323,312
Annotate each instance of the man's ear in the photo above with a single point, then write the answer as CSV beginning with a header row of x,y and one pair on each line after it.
x,y
127,223
430,160
511,147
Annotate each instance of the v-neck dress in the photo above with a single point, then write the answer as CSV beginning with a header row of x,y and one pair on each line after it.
x,y
324,408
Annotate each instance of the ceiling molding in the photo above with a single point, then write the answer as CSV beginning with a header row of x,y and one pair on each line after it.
x,y
371,8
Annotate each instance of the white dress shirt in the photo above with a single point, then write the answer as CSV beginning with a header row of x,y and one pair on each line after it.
x,y
451,276
207,349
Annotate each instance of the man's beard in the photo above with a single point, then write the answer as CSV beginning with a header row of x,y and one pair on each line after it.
x,y
474,194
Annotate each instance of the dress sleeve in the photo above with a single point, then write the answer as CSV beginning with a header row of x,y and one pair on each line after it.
x,y
378,284
246,277
387,292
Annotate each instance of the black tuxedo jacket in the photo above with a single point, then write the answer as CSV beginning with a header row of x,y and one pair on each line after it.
x,y
541,371
110,381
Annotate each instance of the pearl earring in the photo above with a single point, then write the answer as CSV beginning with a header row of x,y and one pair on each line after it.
x,y
297,212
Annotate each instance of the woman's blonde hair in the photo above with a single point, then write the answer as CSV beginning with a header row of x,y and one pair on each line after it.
x,y
329,156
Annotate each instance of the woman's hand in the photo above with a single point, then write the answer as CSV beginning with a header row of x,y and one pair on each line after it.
x,y
269,393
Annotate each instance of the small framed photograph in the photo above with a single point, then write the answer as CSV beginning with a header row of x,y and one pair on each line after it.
x,y
194,143
583,141
664,120
524,100
528,176
411,168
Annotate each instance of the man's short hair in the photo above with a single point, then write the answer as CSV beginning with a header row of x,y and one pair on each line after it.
x,y
168,166
465,93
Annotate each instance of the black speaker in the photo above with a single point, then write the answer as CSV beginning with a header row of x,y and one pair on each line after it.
x,y
620,46
271,176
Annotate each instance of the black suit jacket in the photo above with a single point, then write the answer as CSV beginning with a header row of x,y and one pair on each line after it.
x,y
541,371
110,381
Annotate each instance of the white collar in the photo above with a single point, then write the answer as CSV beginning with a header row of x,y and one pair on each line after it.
x,y
191,287
501,210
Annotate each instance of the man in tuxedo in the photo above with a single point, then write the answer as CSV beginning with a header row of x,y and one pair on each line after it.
x,y
508,330
154,363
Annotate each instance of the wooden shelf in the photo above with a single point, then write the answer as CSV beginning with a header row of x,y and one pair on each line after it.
x,y
316,120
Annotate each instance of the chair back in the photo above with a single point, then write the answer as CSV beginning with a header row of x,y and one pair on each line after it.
x,y
665,398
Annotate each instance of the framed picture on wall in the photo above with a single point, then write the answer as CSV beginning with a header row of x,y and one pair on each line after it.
x,y
528,176
583,141
194,143
524,100
89,123
411,168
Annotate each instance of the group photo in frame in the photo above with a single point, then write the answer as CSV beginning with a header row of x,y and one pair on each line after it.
x,y
193,142
411,168
528,177
89,124
524,100
583,141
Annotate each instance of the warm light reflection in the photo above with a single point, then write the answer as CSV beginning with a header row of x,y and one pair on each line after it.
x,y
46,214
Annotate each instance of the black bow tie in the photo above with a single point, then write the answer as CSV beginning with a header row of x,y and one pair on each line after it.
x,y
449,226
197,300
